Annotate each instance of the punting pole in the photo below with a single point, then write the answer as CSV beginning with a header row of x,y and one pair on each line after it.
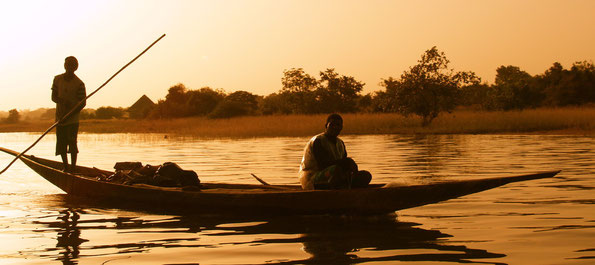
x,y
260,180
79,104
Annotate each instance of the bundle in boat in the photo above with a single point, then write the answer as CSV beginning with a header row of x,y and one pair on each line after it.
x,y
166,175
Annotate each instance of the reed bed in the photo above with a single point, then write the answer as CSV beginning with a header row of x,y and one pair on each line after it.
x,y
578,120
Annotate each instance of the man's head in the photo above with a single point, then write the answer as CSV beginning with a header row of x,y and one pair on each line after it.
x,y
71,64
334,125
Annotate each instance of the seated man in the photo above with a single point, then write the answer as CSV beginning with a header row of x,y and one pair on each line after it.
x,y
325,164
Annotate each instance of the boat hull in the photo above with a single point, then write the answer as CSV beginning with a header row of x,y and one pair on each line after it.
x,y
277,199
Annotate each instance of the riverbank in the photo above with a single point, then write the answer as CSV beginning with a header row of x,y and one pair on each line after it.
x,y
573,121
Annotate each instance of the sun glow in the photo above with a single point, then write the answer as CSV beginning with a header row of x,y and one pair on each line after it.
x,y
246,45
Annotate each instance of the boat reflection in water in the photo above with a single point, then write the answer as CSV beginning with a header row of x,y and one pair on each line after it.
x,y
325,239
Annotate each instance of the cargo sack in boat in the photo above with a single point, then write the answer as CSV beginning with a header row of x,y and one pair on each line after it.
x,y
171,175
132,173
127,165
118,177
147,170
190,178
136,177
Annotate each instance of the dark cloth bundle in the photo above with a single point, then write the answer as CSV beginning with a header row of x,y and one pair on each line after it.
x,y
171,175
167,175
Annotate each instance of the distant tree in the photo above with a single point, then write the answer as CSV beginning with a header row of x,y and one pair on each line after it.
x,y
87,114
203,101
365,103
298,91
174,105
183,102
13,116
238,103
275,103
382,101
49,114
249,100
337,93
109,113
296,80
514,89
475,96
159,111
427,88
301,93
32,114
176,94
175,101
568,87
584,78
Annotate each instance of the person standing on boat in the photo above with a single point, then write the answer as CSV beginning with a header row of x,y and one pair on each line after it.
x,y
67,91
325,164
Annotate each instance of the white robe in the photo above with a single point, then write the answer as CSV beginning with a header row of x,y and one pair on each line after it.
x,y
309,166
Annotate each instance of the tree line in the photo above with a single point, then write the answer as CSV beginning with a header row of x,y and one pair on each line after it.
x,y
15,116
425,89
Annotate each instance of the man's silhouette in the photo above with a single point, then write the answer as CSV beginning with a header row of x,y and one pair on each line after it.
x,y
67,91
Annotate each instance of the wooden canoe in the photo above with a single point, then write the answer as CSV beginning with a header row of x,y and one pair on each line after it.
x,y
277,199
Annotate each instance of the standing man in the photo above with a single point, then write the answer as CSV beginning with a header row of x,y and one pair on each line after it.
x,y
325,164
67,91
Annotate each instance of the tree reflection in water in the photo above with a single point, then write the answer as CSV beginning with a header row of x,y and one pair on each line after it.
x,y
327,239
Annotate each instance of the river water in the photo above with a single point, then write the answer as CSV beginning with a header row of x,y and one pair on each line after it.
x,y
549,221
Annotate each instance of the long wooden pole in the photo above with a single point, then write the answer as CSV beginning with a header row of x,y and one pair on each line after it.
x,y
79,104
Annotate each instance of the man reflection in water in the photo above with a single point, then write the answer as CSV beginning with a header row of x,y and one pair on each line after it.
x,y
67,91
69,237
325,164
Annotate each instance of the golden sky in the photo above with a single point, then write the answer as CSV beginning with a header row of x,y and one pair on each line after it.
x,y
246,45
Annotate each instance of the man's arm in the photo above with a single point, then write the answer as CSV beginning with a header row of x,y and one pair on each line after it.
x,y
322,157
55,97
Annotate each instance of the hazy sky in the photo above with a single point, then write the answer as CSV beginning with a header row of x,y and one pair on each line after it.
x,y
246,45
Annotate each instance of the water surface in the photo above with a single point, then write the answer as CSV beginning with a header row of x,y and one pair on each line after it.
x,y
549,221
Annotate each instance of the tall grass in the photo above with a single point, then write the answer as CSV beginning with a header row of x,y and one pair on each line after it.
x,y
578,120
544,120
556,120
